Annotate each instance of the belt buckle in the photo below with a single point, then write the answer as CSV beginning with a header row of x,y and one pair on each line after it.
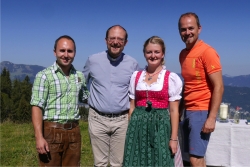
x,y
67,128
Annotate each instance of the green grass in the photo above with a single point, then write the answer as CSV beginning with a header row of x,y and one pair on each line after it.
x,y
17,145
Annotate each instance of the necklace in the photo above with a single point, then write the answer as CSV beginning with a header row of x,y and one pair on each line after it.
x,y
151,76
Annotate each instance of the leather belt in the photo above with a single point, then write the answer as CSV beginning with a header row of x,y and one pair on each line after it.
x,y
109,115
67,126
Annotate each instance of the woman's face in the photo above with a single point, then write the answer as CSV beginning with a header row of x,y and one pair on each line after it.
x,y
154,54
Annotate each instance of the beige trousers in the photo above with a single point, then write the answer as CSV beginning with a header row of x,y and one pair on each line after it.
x,y
107,136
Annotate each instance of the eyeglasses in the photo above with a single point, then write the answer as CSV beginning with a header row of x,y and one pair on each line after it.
x,y
112,39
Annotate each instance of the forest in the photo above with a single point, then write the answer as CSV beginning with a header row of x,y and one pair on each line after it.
x,y
16,95
15,99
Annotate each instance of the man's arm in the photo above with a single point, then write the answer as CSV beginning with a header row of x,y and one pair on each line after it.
x,y
218,89
37,120
86,71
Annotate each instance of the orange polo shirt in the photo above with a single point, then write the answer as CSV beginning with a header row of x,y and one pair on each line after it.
x,y
196,64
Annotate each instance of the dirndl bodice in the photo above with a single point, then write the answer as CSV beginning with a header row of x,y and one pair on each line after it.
x,y
159,99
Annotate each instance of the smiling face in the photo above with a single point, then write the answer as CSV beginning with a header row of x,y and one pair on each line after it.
x,y
116,41
154,54
189,30
64,53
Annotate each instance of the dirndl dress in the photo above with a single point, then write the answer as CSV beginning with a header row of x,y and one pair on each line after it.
x,y
148,134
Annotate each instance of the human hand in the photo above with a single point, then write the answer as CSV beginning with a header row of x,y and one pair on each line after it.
x,y
173,146
209,125
42,146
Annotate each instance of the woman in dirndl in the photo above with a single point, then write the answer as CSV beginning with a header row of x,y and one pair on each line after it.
x,y
152,135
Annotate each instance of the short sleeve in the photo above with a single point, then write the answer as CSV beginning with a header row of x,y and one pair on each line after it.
x,y
131,92
174,87
211,61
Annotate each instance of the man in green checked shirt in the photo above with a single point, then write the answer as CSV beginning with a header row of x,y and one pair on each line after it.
x,y
55,113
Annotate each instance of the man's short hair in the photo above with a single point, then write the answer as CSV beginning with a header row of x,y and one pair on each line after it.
x,y
67,37
190,14
107,32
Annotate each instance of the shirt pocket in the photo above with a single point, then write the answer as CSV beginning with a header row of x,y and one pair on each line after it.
x,y
58,89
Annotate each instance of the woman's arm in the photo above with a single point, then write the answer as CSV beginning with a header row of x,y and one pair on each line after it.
x,y
174,118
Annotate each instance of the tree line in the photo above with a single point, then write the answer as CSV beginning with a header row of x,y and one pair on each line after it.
x,y
15,99
16,95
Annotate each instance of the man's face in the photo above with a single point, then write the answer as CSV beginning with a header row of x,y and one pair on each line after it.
x,y
65,53
189,31
116,41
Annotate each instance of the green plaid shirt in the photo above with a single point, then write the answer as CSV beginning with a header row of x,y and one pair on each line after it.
x,y
57,95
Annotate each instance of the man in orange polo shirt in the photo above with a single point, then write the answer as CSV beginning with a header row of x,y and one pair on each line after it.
x,y
203,88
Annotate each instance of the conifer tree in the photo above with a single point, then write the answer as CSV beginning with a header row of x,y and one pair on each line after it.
x,y
6,82
6,107
23,113
22,99
26,87
16,95
6,102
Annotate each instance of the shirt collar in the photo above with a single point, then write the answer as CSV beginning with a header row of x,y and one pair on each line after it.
x,y
57,68
114,59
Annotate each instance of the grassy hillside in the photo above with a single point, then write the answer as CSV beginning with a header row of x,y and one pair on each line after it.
x,y
18,145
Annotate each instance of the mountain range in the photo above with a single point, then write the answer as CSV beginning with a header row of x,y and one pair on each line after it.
x,y
237,88
19,71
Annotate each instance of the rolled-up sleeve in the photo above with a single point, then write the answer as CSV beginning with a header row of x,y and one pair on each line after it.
x,y
39,91
175,87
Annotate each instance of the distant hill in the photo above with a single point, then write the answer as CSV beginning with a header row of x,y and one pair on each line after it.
x,y
237,81
237,96
237,89
19,71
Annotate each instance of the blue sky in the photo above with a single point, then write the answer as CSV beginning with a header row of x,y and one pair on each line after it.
x,y
30,27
